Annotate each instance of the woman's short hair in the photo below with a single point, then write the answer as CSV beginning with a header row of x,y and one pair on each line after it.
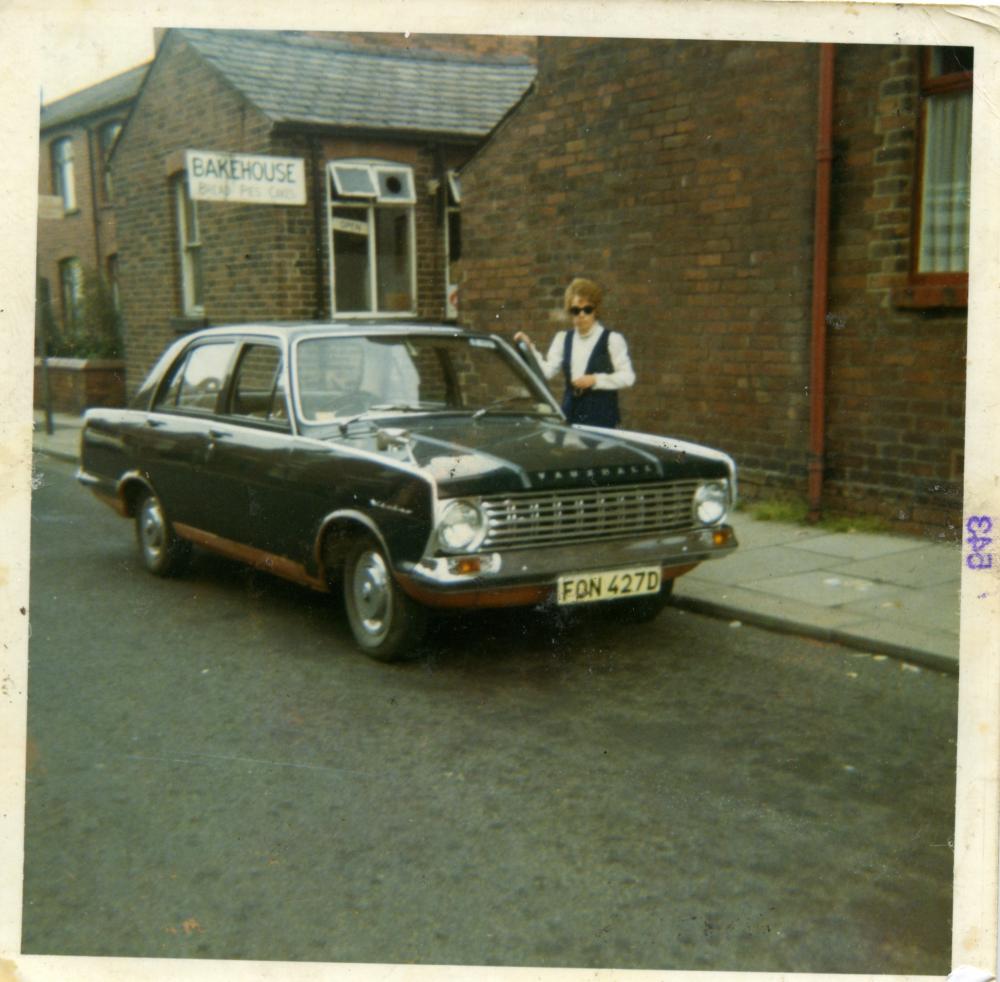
x,y
586,290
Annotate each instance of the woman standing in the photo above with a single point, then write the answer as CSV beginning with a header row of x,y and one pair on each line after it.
x,y
593,360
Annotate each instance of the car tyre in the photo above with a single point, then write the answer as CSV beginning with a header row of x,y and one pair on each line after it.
x,y
387,625
163,553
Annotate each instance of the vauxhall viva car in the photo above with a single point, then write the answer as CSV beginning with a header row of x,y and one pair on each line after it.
x,y
410,467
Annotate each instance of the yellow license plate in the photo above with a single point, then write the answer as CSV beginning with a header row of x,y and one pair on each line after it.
x,y
614,584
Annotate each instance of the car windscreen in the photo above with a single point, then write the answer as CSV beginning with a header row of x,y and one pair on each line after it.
x,y
338,377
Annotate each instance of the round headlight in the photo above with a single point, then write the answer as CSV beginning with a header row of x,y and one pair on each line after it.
x,y
711,501
462,527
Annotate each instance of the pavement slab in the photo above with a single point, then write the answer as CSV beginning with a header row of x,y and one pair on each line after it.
x,y
853,545
929,565
750,565
753,534
761,608
933,608
823,588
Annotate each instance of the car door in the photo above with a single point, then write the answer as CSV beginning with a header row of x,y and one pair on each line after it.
x,y
248,450
177,431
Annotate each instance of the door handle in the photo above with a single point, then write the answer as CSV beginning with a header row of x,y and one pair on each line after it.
x,y
154,423
219,434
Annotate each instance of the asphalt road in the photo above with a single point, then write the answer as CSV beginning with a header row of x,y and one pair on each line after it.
x,y
214,772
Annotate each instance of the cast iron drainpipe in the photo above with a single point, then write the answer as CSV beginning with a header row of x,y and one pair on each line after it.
x,y
821,278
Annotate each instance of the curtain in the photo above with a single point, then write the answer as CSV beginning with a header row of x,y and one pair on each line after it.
x,y
944,229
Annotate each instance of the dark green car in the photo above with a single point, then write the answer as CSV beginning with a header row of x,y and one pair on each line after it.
x,y
413,467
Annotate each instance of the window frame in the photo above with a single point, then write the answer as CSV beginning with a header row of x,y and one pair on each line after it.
x,y
105,145
189,247
452,203
932,289
179,366
366,206
64,173
113,269
280,388
71,293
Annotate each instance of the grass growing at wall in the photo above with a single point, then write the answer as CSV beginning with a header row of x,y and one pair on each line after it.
x,y
795,512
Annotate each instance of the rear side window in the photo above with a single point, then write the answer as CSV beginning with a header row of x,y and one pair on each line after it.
x,y
197,380
258,389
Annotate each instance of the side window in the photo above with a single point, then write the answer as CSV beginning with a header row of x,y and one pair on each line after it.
x,y
106,137
259,390
63,179
189,244
71,287
452,242
946,137
196,381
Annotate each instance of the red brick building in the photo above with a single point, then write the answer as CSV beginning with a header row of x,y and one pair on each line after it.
x,y
76,227
683,176
369,131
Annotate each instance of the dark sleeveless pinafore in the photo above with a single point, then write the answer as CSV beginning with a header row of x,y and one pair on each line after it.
x,y
595,407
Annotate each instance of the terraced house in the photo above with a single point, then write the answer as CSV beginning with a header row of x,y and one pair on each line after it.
x,y
782,230
76,227
278,176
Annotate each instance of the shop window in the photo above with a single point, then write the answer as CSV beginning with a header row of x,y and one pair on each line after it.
x,y
71,291
106,137
189,244
63,177
940,262
372,237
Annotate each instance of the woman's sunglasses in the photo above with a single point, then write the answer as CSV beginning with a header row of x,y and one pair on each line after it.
x,y
581,310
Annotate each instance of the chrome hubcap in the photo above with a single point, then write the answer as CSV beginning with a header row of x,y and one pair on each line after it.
x,y
371,591
153,529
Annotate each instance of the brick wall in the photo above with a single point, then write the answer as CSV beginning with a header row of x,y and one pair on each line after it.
x,y
896,383
76,384
680,175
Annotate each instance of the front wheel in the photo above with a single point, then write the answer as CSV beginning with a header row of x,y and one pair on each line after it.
x,y
387,624
162,552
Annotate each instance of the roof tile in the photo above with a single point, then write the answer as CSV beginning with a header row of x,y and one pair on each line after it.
x,y
304,79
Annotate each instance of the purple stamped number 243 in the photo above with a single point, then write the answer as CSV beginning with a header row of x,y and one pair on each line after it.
x,y
979,528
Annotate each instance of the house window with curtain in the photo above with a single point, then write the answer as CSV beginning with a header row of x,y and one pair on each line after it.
x,y
63,177
452,241
114,283
372,237
71,291
189,246
941,252
106,137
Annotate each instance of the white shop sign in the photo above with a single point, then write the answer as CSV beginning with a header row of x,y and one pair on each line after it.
x,y
245,178
350,226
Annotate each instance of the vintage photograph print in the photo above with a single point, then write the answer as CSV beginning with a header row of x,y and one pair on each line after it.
x,y
504,493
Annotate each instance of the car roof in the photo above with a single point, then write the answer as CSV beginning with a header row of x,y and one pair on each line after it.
x,y
293,330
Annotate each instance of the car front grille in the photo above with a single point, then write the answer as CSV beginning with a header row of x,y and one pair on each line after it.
x,y
563,517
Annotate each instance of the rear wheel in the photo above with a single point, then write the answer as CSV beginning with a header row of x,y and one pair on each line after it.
x,y
162,552
387,624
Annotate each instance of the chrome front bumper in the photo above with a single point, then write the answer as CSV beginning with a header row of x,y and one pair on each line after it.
x,y
543,566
